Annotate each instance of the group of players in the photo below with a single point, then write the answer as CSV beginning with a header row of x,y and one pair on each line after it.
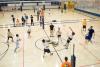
x,y
40,16
24,19
88,38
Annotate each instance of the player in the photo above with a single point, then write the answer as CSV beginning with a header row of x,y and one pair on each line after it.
x,y
26,18
65,7
70,37
46,48
38,13
23,20
29,32
49,12
59,35
17,42
41,14
13,19
90,34
66,63
9,35
51,30
84,23
32,23
17,22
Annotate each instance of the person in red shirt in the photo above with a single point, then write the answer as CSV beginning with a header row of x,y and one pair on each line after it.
x,y
17,22
41,16
66,63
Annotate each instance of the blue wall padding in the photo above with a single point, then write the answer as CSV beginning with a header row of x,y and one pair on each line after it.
x,y
95,14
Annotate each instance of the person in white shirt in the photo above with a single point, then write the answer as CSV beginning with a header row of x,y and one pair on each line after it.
x,y
29,32
26,18
70,37
46,48
59,35
17,42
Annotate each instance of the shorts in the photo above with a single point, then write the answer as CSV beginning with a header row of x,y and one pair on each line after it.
x,y
10,37
47,50
88,37
73,33
28,32
17,44
51,29
59,36
84,26
69,39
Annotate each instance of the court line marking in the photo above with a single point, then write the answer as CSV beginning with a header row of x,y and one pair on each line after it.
x,y
4,53
89,51
43,50
90,65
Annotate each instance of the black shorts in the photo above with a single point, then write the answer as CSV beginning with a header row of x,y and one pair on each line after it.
x,y
51,29
10,37
84,26
88,37
73,33
59,36
47,50
28,32
69,39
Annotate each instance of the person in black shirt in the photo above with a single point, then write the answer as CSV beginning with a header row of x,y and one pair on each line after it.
x,y
90,34
65,7
51,30
13,19
32,23
23,21
21,8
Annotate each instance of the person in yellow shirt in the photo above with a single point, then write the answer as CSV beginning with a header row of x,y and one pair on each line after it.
x,y
84,23
10,35
66,63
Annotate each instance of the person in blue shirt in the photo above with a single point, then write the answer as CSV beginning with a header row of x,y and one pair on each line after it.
x,y
90,34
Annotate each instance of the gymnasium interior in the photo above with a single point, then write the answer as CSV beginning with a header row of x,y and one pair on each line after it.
x,y
63,14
